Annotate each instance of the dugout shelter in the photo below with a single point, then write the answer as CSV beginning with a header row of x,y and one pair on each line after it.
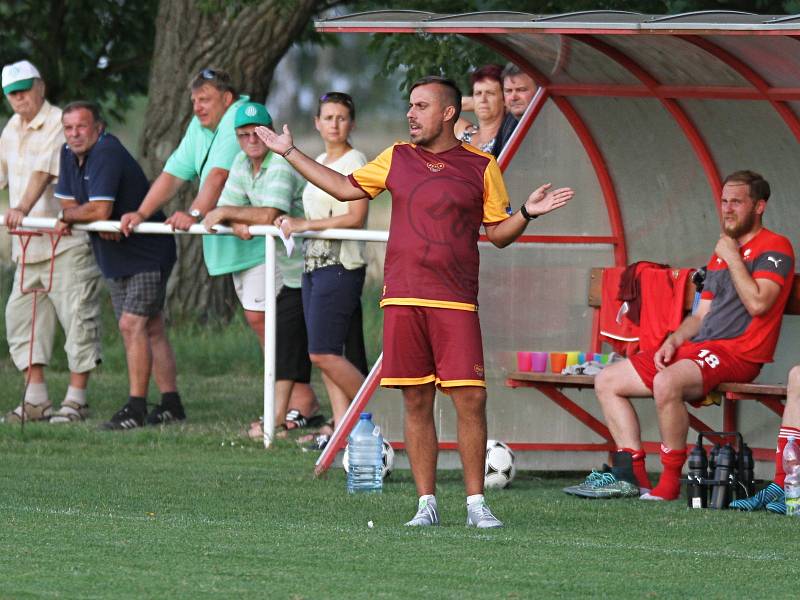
x,y
643,115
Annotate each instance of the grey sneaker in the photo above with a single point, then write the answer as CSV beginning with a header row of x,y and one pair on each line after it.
x,y
427,514
608,486
589,483
479,515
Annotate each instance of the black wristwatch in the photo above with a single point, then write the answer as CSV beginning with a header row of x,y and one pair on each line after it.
x,y
525,214
196,215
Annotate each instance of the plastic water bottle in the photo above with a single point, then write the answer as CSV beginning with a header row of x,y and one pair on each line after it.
x,y
365,448
791,485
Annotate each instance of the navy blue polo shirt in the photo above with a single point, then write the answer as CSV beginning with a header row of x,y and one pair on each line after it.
x,y
109,173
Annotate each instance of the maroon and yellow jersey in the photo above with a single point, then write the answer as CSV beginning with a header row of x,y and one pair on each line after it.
x,y
767,256
438,204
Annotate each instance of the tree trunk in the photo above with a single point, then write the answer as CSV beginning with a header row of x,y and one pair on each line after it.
x,y
248,43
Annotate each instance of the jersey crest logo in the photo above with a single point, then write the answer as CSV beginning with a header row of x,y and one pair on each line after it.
x,y
776,261
747,253
719,261
435,167
478,370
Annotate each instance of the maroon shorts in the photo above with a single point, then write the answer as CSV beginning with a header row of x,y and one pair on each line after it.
x,y
423,345
717,364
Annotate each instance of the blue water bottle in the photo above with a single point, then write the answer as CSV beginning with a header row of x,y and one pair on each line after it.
x,y
365,461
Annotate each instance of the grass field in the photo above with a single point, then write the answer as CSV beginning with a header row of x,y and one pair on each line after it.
x,y
197,510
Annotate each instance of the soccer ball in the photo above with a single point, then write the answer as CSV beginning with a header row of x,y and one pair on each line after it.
x,y
387,455
499,470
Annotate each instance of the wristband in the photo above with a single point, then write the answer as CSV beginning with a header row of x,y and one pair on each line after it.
x,y
525,214
288,151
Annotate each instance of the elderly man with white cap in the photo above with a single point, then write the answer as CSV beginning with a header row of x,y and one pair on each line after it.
x,y
29,160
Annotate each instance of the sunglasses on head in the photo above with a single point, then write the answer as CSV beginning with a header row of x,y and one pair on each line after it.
x,y
336,97
212,74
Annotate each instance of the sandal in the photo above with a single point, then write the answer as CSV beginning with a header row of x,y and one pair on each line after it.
x,y
70,412
256,430
33,412
317,443
326,430
295,420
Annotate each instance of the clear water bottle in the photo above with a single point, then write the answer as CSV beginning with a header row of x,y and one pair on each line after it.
x,y
364,449
791,485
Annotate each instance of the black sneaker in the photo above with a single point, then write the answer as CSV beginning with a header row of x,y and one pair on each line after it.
x,y
125,418
161,415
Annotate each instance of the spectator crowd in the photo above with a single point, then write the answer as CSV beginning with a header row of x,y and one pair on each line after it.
x,y
65,164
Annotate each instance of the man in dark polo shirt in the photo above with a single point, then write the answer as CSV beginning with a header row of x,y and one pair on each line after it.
x,y
99,180
442,192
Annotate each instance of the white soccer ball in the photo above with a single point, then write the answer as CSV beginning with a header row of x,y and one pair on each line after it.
x,y
499,470
387,456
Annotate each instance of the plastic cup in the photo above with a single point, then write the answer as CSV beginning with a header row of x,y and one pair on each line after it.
x,y
581,358
604,358
523,361
572,358
539,362
558,360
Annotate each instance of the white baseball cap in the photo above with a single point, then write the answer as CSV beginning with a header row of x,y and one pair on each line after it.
x,y
19,76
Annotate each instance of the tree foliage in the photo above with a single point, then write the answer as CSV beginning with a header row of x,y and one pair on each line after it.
x,y
85,49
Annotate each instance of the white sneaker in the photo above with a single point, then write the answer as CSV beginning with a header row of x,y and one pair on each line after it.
x,y
427,514
479,515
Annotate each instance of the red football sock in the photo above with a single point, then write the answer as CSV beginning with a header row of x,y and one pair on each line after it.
x,y
783,437
669,486
639,467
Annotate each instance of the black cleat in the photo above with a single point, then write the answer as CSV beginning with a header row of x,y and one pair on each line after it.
x,y
125,418
162,415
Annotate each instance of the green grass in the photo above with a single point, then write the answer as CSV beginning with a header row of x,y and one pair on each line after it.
x,y
197,510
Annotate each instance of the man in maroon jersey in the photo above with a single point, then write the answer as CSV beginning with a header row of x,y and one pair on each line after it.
x,y
442,192
729,337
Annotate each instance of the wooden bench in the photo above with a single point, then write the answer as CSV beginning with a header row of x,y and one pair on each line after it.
x,y
551,384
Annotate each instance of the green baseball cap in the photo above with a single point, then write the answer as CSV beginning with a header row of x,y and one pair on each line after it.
x,y
19,76
252,113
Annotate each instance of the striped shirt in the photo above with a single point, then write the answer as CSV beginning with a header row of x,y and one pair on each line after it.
x,y
276,185
35,146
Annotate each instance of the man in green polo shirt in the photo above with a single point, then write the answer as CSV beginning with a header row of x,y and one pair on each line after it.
x,y
205,152
262,186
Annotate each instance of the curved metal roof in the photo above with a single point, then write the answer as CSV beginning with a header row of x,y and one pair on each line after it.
x,y
643,115
719,78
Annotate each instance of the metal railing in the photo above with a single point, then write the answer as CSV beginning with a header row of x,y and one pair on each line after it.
x,y
270,232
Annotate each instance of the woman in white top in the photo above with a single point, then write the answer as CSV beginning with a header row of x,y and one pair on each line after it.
x,y
334,270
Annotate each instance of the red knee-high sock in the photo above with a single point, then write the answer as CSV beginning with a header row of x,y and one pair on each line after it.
x,y
669,486
639,469
783,437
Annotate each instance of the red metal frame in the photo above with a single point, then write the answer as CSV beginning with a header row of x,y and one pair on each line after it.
x,y
587,140
675,110
651,88
750,75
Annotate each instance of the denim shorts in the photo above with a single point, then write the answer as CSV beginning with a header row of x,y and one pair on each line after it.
x,y
331,296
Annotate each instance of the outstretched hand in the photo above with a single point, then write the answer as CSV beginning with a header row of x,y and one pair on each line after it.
x,y
544,200
276,143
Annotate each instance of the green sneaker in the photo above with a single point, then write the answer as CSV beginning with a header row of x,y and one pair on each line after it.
x,y
592,479
608,486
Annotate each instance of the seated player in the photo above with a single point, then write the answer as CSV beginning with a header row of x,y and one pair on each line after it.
x,y
772,497
730,336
